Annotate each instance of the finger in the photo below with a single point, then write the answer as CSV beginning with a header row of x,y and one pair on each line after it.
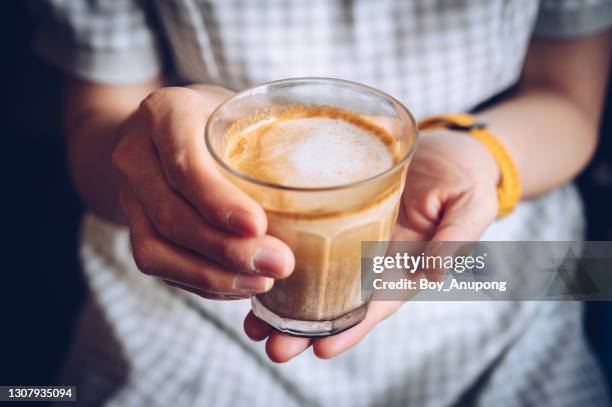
x,y
156,257
464,219
404,234
412,226
419,213
178,117
467,217
282,348
255,328
205,294
326,348
176,220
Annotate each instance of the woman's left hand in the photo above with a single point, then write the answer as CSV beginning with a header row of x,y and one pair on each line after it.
x,y
450,195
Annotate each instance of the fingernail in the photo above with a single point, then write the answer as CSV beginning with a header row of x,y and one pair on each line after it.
x,y
269,262
249,283
242,222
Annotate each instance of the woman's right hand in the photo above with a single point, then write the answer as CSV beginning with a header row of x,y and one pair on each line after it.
x,y
189,225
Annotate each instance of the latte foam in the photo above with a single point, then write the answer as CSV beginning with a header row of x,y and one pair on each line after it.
x,y
321,148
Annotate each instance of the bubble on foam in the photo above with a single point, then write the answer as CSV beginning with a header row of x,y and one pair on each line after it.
x,y
322,151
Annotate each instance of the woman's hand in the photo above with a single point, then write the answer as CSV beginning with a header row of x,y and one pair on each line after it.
x,y
450,191
450,195
189,225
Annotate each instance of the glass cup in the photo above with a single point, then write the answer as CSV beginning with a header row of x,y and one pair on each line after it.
x,y
324,227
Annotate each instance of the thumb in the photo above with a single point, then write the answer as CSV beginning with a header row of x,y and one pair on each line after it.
x,y
467,217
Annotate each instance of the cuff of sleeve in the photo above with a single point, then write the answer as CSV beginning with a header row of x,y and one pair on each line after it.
x,y
110,67
566,23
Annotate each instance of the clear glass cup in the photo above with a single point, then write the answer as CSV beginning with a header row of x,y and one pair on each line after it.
x,y
324,227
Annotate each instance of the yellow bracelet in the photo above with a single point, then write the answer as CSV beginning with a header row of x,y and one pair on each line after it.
x,y
509,186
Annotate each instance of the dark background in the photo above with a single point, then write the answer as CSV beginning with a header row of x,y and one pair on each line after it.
x,y
41,286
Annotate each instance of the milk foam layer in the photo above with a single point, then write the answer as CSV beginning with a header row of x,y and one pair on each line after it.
x,y
319,151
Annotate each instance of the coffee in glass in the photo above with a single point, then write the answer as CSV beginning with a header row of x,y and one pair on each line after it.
x,y
327,160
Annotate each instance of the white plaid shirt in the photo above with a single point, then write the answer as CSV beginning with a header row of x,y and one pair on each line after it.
x,y
142,343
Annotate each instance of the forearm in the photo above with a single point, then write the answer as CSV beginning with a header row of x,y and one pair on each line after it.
x,y
550,124
549,136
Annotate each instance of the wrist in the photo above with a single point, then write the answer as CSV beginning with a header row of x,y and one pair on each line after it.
x,y
508,187
468,153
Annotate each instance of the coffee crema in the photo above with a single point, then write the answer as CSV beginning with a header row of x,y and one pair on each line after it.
x,y
310,147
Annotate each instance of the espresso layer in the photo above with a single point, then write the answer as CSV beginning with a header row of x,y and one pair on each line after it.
x,y
311,147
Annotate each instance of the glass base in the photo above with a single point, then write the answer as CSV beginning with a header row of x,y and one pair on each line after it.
x,y
303,328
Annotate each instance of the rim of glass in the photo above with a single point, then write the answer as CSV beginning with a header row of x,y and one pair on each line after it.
x,y
409,153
